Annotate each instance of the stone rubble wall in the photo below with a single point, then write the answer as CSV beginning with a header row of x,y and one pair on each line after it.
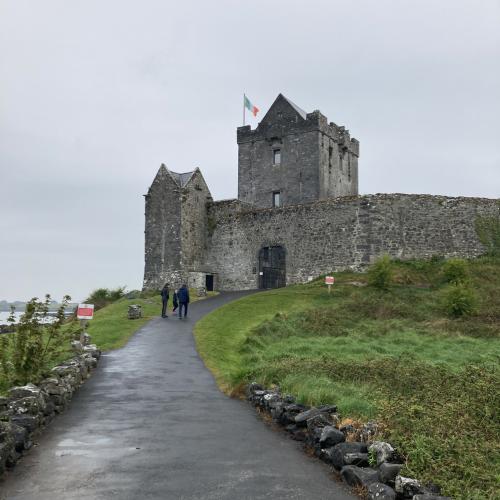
x,y
353,452
341,233
28,409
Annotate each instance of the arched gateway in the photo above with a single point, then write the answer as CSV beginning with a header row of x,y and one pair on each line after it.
x,y
272,267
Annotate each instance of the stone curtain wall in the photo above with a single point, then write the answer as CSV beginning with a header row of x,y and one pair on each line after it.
x,y
343,233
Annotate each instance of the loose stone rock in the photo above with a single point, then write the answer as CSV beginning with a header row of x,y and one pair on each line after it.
x,y
290,412
331,436
408,487
6,450
77,346
359,459
93,350
387,472
379,491
358,476
383,451
328,409
251,388
24,391
29,422
21,437
303,417
336,454
134,311
318,422
29,405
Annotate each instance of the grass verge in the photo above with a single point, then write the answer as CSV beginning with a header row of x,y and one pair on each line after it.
x,y
432,381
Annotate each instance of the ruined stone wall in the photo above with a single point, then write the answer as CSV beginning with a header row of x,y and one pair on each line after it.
x,y
342,233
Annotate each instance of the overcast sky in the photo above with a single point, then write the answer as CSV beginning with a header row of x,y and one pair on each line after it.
x,y
96,94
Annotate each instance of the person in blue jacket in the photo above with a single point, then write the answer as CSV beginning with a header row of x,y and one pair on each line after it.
x,y
183,298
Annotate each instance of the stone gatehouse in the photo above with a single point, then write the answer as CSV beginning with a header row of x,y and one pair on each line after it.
x,y
298,213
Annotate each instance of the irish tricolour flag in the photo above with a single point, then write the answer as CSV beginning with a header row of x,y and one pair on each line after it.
x,y
253,109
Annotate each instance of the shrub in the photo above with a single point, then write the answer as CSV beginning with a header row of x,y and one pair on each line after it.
x,y
456,271
380,273
36,345
101,297
459,300
488,232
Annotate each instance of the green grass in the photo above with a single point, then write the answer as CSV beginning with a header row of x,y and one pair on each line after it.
x,y
111,329
396,356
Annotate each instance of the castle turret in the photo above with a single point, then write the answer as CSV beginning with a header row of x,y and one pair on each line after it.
x,y
175,231
294,157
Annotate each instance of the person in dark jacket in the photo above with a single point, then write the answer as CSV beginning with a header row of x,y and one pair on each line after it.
x,y
175,302
183,297
165,293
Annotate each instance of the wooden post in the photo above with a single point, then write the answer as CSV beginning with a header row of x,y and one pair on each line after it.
x,y
83,324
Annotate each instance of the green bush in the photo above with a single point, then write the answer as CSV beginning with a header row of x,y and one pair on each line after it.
x,y
456,271
380,273
36,344
460,300
101,297
488,232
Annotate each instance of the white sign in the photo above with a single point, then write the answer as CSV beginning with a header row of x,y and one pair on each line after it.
x,y
85,311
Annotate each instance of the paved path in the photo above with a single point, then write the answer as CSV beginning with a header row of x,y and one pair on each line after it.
x,y
151,424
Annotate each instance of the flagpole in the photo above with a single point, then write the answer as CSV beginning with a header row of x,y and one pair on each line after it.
x,y
243,109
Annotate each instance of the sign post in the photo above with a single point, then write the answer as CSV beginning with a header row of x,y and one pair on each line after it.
x,y
329,281
84,313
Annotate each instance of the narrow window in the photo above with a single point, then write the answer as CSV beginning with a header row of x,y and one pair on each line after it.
x,y
276,156
276,199
330,155
349,167
341,166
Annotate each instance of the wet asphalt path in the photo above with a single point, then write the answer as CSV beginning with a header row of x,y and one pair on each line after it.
x,y
151,424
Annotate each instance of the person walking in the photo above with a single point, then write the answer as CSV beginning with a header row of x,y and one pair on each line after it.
x,y
175,302
183,297
165,293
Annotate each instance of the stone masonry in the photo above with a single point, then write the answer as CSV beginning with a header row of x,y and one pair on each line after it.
x,y
316,160
317,220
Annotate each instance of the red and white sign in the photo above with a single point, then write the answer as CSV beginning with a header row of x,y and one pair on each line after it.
x,y
329,280
85,311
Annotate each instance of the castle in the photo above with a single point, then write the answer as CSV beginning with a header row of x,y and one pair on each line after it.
x,y
298,213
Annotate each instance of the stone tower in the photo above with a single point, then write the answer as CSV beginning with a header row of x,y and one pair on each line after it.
x,y
294,157
176,227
